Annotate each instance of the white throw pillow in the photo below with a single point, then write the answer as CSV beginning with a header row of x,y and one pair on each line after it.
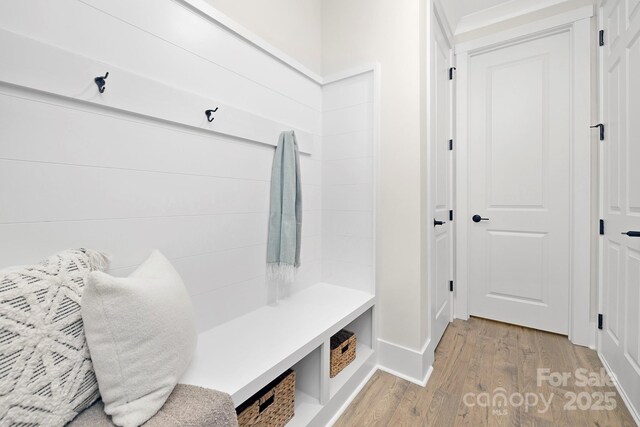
x,y
46,376
141,335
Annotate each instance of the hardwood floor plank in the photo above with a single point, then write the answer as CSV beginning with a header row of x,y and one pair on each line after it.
x,y
477,357
386,391
478,381
409,412
444,414
528,364
372,392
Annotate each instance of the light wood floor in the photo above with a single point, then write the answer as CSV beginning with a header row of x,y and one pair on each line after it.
x,y
477,356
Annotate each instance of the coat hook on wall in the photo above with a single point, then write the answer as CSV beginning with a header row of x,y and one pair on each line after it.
x,y
100,81
209,114
600,126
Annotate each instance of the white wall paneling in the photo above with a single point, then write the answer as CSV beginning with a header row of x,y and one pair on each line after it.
x,y
69,75
168,42
347,182
139,167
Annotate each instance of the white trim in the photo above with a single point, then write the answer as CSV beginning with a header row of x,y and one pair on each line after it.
x,y
377,172
578,23
527,30
621,392
580,321
358,389
501,12
409,364
421,383
209,12
351,72
436,18
206,10
460,299
441,16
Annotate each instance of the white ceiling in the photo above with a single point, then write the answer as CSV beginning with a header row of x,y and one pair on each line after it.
x,y
456,9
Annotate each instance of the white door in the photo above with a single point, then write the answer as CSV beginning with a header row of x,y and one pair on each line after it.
x,y
519,183
620,337
440,178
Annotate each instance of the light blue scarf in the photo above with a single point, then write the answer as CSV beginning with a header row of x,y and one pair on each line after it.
x,y
285,217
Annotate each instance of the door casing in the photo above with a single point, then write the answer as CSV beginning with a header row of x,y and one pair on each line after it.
x,y
440,200
577,23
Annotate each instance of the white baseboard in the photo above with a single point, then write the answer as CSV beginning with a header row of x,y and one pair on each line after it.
x,y
421,383
411,365
635,412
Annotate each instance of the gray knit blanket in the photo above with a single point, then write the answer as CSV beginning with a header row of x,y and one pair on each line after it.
x,y
186,406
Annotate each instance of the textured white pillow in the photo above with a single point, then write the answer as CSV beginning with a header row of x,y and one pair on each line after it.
x,y
141,335
46,376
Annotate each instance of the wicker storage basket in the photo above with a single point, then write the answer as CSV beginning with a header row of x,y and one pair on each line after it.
x,y
272,406
343,351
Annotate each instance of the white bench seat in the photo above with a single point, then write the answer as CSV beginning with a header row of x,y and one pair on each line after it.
x,y
242,356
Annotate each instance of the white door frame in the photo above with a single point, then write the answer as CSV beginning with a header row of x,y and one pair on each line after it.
x,y
438,20
577,23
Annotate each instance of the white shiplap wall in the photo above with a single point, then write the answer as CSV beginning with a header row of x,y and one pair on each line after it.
x,y
348,182
79,175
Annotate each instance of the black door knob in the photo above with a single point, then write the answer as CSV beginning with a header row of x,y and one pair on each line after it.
x,y
478,218
436,222
632,233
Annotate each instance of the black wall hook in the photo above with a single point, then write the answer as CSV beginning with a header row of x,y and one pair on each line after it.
x,y
100,81
601,127
209,114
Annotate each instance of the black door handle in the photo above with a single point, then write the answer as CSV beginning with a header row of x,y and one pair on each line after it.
x,y
436,222
632,233
478,218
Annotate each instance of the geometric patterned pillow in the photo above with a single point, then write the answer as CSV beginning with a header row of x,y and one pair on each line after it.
x,y
46,375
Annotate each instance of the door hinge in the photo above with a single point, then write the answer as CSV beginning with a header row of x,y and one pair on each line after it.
x,y
602,227
451,215
601,38
450,285
451,144
451,70
600,321
601,127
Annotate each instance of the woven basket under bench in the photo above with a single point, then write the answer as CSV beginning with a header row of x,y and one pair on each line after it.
x,y
343,351
273,406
